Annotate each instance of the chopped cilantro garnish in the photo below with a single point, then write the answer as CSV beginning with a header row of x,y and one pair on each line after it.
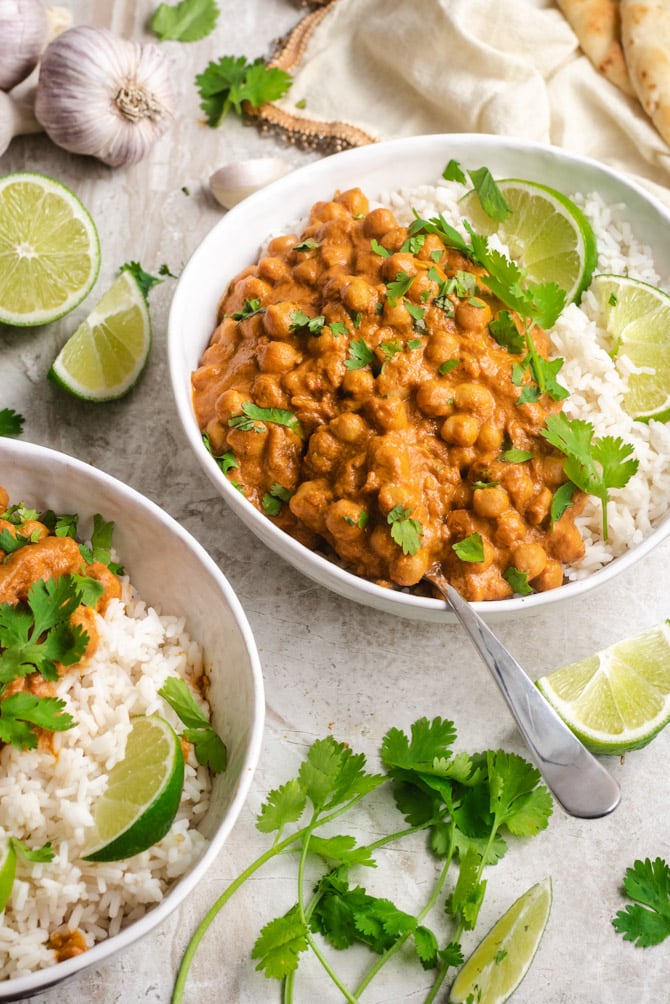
x,y
226,84
249,309
252,414
210,750
470,548
406,532
646,921
273,499
518,581
360,354
400,285
11,423
447,366
300,321
307,245
379,249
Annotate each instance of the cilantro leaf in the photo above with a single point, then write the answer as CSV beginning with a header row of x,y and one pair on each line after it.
x,y
253,413
467,897
188,21
646,922
400,285
210,750
504,330
232,80
454,172
300,321
11,423
593,465
471,548
249,309
280,944
143,279
406,532
360,354
490,197
332,775
518,580
561,500
22,713
285,804
342,850
519,800
37,854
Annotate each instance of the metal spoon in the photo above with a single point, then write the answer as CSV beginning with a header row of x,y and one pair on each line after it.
x,y
579,782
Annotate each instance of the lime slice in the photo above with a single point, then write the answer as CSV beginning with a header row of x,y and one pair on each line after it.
x,y
7,871
143,793
546,233
618,699
49,249
636,317
499,963
105,356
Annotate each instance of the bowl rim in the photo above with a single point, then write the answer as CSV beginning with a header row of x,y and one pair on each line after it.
x,y
21,987
310,563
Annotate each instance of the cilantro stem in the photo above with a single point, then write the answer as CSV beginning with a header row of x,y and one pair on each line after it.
x,y
536,365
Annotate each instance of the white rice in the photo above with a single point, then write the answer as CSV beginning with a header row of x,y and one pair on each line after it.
x,y
50,798
597,383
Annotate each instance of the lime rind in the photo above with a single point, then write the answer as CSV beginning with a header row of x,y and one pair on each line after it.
x,y
619,699
109,351
502,959
635,317
61,258
143,793
547,233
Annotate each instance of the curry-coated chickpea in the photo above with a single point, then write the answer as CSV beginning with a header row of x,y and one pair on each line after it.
x,y
408,569
267,391
256,288
378,222
382,543
435,398
274,269
431,246
217,434
441,347
422,289
277,357
230,403
359,383
310,502
336,255
476,398
387,413
530,558
393,494
283,244
553,471
510,528
355,201
345,519
307,271
565,541
278,319
248,446
396,316
551,577
539,507
350,427
473,314
359,296
401,261
324,450
519,485
490,502
490,437
322,212
460,429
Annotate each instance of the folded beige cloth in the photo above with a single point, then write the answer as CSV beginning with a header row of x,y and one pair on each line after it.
x,y
367,70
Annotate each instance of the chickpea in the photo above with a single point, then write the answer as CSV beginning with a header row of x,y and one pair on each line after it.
x,y
358,295
343,519
396,317
274,269
336,255
490,503
431,244
278,320
391,495
520,486
408,569
267,391
510,528
349,427
401,261
229,403
475,398
283,245
565,541
307,271
387,413
441,347
355,201
322,212
421,290
473,316
462,457
461,430
553,470
435,398
530,558
310,502
378,222
256,288
324,451
490,438
359,383
551,577
277,357
248,446
217,433
538,508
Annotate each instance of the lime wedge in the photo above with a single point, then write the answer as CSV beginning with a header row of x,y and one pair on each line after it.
x,y
636,317
140,802
546,233
105,356
499,963
7,871
49,249
618,699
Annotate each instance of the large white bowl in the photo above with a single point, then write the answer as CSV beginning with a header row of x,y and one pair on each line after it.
x,y
234,243
171,570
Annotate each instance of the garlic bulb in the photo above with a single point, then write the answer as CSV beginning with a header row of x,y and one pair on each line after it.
x,y
232,183
101,95
16,119
23,35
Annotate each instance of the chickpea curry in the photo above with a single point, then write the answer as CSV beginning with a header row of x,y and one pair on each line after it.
x,y
355,392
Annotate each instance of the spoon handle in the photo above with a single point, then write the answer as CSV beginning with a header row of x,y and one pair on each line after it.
x,y
579,782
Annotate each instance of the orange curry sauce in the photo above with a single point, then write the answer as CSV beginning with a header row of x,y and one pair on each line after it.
x,y
405,408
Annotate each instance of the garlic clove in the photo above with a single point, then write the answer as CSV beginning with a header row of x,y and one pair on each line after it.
x,y
235,181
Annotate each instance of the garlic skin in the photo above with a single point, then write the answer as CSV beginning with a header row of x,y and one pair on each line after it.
x,y
233,182
103,96
16,119
23,33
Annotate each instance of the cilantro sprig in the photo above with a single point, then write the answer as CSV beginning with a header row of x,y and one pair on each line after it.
x,y
405,531
467,804
18,849
11,423
646,921
593,465
253,414
225,85
210,750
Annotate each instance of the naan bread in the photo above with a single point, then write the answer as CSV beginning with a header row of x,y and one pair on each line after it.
x,y
645,34
597,27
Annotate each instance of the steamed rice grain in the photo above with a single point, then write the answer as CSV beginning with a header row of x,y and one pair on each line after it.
x,y
51,798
